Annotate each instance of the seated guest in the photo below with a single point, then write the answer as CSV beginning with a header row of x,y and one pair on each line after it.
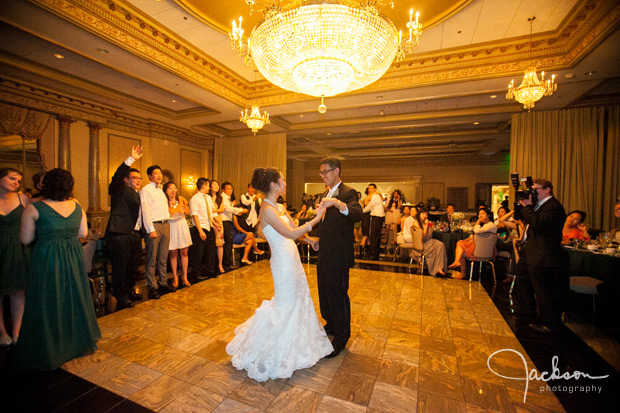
x,y
403,217
465,248
241,236
448,217
434,250
405,235
302,213
504,216
574,228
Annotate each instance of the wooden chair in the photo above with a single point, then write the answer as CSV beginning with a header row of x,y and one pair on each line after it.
x,y
484,244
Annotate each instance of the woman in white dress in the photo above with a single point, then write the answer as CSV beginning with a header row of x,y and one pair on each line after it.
x,y
180,238
284,334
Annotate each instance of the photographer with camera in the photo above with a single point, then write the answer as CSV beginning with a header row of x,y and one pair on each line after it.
x,y
542,253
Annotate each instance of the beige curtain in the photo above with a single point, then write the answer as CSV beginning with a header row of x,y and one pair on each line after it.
x,y
577,150
15,120
236,158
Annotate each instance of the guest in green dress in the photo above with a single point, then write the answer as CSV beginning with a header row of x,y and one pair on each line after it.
x,y
13,269
59,320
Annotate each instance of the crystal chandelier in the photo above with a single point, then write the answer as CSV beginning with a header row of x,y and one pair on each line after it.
x,y
531,89
254,120
323,47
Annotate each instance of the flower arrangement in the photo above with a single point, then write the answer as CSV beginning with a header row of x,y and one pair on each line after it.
x,y
458,216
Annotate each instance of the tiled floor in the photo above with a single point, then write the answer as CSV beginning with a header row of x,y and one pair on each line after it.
x,y
418,343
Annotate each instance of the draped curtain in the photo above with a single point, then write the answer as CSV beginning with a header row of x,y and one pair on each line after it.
x,y
15,120
578,151
235,158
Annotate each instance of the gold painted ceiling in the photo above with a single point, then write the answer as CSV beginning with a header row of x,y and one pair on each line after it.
x,y
170,62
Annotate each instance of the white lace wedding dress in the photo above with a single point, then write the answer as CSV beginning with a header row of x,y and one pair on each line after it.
x,y
284,334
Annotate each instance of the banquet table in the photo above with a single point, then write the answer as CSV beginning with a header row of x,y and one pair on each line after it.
x,y
601,266
450,239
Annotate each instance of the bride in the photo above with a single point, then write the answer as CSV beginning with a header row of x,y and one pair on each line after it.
x,y
284,333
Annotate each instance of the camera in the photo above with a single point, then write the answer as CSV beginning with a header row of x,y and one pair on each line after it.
x,y
521,194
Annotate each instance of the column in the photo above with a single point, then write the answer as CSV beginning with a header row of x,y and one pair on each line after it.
x,y
64,141
94,202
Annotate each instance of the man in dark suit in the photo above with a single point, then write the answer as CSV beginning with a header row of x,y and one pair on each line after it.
x,y
545,259
122,233
336,248
447,217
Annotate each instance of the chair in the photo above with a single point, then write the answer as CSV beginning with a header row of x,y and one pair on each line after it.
x,y
484,245
397,249
262,245
234,253
417,244
585,285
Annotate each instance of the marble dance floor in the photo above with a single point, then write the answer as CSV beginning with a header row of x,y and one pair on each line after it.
x,y
418,343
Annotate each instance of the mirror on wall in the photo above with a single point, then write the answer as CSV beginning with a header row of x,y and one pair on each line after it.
x,y
21,154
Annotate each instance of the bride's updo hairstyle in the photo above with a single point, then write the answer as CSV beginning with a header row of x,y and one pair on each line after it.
x,y
264,177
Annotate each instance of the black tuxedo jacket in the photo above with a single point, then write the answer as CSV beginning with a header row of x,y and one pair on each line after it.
x,y
544,235
336,237
125,203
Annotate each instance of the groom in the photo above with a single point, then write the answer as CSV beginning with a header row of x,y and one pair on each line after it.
x,y
336,247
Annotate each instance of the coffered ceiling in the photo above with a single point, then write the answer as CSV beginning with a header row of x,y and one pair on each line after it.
x,y
136,62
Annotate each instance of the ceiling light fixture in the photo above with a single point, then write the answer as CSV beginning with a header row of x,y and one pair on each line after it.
x,y
103,51
493,96
531,89
323,47
58,56
255,120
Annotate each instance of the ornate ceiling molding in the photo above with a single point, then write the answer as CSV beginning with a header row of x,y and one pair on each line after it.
x,y
439,114
20,93
98,90
122,25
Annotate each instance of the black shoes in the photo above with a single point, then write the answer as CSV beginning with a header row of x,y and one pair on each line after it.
x,y
165,289
333,353
134,296
153,294
541,328
124,303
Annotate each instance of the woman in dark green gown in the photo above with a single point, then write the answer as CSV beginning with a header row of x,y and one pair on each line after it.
x,y
13,268
59,319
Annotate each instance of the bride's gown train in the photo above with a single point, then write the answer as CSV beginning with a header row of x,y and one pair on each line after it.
x,y
284,334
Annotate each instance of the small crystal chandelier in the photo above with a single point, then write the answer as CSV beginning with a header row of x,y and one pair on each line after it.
x,y
531,89
254,120
323,47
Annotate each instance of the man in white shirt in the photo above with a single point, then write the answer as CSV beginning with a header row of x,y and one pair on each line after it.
x,y
229,211
377,217
155,217
202,252
252,202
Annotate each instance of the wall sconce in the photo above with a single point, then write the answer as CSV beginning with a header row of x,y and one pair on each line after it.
x,y
191,183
